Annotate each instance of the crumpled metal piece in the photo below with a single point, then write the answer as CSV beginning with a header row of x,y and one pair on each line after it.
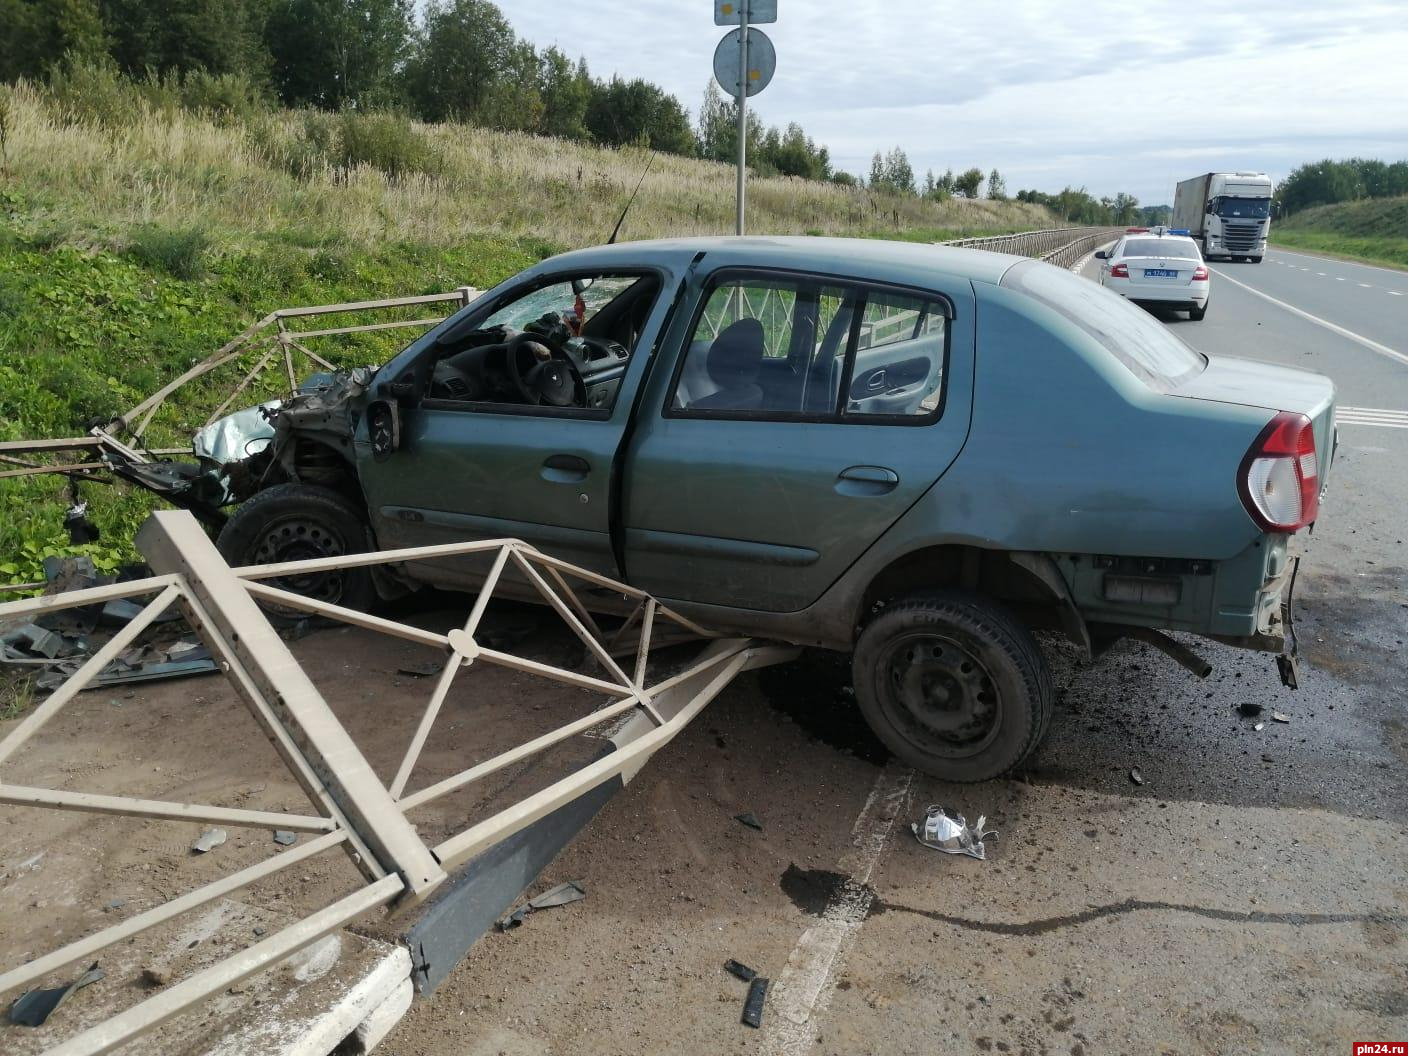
x,y
951,833
233,437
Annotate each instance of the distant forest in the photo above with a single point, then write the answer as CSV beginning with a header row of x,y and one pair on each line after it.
x,y
459,61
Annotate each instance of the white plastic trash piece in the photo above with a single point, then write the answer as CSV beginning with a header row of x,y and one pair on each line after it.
x,y
951,833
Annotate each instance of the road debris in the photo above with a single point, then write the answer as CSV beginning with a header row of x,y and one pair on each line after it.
x,y
560,895
951,833
1249,710
33,1007
422,670
1136,776
1259,727
1277,716
285,838
753,1004
750,819
739,970
209,840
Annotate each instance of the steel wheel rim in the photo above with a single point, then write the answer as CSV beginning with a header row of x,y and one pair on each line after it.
x,y
937,693
301,539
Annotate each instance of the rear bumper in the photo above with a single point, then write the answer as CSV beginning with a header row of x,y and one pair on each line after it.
x,y
1193,295
1237,600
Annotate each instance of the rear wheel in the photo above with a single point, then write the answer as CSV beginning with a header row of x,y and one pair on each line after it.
x,y
953,685
294,522
1197,313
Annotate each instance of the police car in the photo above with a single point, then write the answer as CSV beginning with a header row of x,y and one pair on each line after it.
x,y
1157,266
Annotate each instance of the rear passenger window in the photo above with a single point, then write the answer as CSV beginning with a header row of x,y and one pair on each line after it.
x,y
789,349
899,359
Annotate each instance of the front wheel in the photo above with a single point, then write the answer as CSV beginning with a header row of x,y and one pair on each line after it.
x,y
953,685
1256,260
294,522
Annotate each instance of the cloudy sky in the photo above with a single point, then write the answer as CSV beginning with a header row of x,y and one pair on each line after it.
x,y
1112,96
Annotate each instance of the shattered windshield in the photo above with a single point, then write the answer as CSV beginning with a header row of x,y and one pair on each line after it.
x,y
560,297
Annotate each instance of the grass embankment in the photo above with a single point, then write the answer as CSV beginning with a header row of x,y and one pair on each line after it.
x,y
136,236
1373,230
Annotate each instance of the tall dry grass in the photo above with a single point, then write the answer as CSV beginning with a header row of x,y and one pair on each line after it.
x,y
318,179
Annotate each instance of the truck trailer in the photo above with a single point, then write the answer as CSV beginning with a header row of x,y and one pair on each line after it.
x,y
1228,213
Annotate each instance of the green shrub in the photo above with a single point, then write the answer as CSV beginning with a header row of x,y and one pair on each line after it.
x,y
180,254
88,92
385,141
231,98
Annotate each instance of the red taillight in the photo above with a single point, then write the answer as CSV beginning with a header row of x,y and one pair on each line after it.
x,y
1119,271
1200,272
1279,480
1136,230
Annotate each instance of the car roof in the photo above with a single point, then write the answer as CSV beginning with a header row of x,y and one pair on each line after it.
x,y
1161,237
878,258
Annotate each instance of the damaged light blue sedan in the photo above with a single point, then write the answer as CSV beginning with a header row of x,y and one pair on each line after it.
x,y
918,455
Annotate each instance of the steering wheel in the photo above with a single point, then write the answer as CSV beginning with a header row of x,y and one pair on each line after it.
x,y
543,373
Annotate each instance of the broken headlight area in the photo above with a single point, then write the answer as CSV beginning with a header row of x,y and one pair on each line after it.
x,y
307,437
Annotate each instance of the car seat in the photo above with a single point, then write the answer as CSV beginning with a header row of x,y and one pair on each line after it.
x,y
732,363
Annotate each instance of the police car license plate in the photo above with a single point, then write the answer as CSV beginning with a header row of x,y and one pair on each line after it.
x,y
1160,273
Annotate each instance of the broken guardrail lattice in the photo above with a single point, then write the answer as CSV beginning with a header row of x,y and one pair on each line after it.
x,y
352,807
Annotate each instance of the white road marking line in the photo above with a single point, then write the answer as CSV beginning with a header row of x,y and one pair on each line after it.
x,y
1372,345
1320,273
1362,285
1384,419
1340,278
1352,263
1394,293
802,992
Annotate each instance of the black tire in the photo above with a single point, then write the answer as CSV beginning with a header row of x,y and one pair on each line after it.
x,y
292,522
919,652
1256,260
1196,314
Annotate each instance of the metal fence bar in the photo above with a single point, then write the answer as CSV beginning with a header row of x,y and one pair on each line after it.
x,y
35,720
516,754
93,803
37,969
151,1013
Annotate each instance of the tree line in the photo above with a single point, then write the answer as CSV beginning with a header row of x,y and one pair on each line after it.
x,y
459,61
1328,182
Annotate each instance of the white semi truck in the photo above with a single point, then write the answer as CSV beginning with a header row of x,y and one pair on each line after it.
x,y
1229,213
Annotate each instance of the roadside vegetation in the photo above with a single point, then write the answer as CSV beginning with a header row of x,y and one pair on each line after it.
x,y
1355,208
144,223
1373,229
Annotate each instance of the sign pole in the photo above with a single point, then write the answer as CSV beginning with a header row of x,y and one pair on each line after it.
x,y
742,114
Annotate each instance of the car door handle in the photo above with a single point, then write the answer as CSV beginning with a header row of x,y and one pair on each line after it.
x,y
565,469
867,480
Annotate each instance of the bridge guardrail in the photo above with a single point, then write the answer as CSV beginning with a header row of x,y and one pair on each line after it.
x,y
1061,246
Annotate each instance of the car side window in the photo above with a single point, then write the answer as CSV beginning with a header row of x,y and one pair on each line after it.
x,y
562,347
899,357
766,348
788,349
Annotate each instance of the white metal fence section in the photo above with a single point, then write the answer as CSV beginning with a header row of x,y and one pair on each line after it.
x,y
352,807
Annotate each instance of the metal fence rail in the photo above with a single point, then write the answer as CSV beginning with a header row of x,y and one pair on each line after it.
x,y
267,345
1061,246
351,806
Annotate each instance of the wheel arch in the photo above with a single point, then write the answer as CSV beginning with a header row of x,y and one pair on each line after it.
x,y
1027,582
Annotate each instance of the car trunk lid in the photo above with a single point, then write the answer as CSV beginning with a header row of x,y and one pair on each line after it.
x,y
1167,271
1250,383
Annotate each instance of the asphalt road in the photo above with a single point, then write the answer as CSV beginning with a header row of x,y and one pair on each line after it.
x,y
1250,896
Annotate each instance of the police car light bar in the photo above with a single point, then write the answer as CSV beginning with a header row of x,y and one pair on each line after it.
x,y
1179,231
1136,230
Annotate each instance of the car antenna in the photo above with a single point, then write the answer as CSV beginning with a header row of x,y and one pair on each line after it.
x,y
630,201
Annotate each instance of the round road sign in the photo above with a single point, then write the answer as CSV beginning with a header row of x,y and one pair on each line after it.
x,y
762,61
